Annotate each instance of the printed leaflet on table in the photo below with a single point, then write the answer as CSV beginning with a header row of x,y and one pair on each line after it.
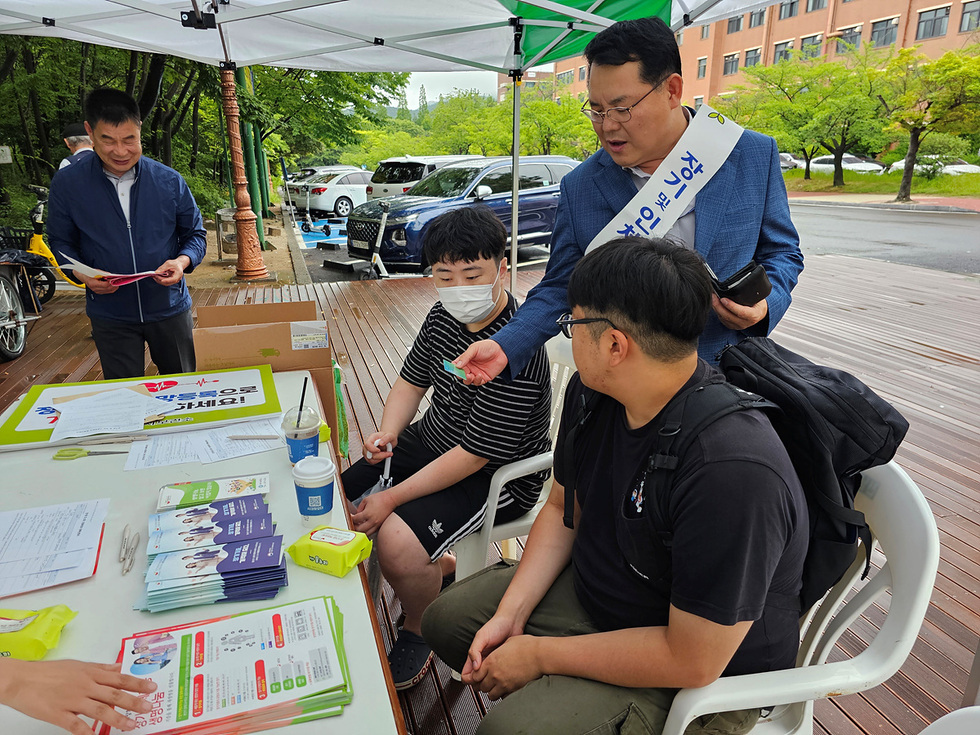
x,y
243,673
201,492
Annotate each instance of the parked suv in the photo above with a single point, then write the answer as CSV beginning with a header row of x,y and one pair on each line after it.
x,y
396,176
483,180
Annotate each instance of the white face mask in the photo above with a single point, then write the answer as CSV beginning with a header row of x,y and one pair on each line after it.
x,y
469,304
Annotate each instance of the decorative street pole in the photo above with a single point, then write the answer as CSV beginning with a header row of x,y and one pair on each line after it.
x,y
250,264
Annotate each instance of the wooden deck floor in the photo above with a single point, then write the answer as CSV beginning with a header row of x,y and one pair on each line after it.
x,y
912,334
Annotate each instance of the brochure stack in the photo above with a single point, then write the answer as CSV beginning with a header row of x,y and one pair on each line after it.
x,y
243,673
215,551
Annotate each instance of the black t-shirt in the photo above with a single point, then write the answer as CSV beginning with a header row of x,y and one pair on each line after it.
x,y
738,518
503,421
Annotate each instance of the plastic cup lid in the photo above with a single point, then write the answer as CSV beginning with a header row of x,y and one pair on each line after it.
x,y
310,468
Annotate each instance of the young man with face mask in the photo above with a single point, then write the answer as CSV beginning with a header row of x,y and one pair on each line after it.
x,y
441,465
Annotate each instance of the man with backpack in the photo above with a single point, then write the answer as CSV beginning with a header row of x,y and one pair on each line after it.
x,y
624,595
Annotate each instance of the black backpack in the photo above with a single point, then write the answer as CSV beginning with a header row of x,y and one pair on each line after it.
x,y
832,425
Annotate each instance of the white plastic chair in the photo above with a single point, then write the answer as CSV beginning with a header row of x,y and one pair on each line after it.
x,y
971,695
958,722
473,552
903,526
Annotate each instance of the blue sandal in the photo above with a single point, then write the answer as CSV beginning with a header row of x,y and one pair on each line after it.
x,y
409,660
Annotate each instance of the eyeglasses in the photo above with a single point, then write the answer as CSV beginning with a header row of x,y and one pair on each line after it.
x,y
616,114
566,321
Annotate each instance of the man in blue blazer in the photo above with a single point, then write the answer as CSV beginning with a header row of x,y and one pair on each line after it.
x,y
741,214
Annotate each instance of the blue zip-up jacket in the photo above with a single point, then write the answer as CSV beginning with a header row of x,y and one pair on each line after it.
x,y
86,222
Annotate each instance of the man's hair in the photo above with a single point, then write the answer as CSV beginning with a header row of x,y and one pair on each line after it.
x,y
647,40
112,106
464,235
656,291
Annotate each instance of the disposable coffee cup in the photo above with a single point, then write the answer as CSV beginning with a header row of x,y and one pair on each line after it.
x,y
314,478
302,440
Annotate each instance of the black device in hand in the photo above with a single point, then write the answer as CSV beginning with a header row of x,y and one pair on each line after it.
x,y
747,287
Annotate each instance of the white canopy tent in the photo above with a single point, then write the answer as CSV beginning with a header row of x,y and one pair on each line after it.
x,y
505,36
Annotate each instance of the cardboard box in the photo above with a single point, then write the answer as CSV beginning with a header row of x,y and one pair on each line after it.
x,y
287,336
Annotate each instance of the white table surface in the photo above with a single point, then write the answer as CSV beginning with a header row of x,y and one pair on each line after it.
x,y
30,478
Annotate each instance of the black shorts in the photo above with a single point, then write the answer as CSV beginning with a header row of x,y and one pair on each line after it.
x,y
438,520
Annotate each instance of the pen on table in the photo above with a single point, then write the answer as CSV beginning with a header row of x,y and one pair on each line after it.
x,y
131,554
120,439
125,544
257,437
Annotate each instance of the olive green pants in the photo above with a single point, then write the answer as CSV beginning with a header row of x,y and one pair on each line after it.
x,y
558,705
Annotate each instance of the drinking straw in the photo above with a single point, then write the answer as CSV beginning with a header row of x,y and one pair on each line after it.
x,y
302,398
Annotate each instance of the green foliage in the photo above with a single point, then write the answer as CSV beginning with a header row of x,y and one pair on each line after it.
x,y
466,122
300,113
966,185
208,194
552,124
422,115
392,138
862,102
16,213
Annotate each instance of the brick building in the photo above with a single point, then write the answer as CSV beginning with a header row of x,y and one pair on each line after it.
x,y
530,81
713,56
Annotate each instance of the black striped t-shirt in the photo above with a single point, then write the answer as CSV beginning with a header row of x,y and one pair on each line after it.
x,y
501,421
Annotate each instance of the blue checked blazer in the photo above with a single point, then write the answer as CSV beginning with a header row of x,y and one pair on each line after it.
x,y
741,214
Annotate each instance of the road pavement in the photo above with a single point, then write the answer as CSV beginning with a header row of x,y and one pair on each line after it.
x,y
948,241
933,232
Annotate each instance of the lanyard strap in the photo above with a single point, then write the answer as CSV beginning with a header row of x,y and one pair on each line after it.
x,y
701,151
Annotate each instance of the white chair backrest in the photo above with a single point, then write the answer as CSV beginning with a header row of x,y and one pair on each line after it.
x,y
905,530
559,350
903,527
964,721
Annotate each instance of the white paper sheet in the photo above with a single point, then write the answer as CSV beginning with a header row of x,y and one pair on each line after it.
x,y
36,537
109,412
214,445
161,450
47,563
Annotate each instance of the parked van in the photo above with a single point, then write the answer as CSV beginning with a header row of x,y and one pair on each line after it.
x,y
395,176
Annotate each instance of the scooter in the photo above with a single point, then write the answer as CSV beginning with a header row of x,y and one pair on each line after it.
x,y
307,225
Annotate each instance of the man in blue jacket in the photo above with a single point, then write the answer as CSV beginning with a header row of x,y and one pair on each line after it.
x,y
741,214
122,213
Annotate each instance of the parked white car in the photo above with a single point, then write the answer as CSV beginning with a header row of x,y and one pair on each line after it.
x,y
395,176
953,166
335,192
825,164
788,161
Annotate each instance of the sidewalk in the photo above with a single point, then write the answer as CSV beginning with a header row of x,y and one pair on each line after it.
x,y
887,201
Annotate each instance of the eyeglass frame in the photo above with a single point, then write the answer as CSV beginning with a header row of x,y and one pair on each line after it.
x,y
566,322
589,113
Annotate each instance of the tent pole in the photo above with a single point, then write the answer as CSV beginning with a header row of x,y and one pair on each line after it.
x,y
515,186
516,74
250,265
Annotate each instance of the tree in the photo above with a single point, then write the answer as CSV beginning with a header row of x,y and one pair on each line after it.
x,y
811,102
422,115
921,96
403,112
44,82
315,110
552,124
388,139
456,118
779,101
